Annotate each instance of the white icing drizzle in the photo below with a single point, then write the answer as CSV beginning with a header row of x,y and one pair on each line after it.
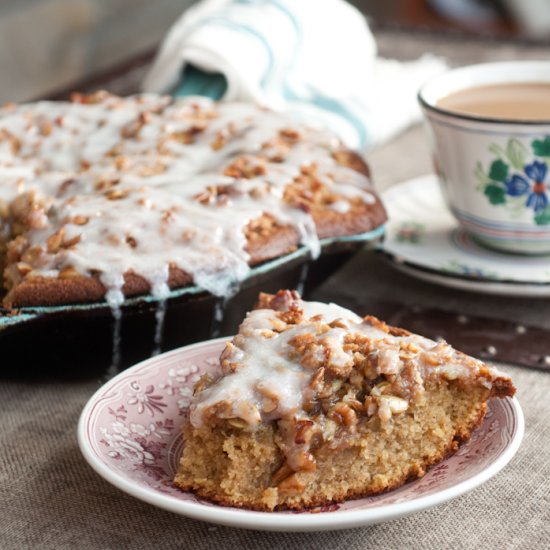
x,y
304,272
132,169
114,297
160,315
262,362
160,290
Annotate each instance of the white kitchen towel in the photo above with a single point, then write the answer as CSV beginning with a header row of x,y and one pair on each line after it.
x,y
314,58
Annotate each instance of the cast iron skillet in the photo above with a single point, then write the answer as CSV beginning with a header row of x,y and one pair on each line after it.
x,y
75,341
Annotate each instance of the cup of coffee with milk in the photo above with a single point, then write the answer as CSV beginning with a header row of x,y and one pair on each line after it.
x,y
489,128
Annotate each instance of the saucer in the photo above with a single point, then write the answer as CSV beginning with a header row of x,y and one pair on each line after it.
x,y
130,433
425,240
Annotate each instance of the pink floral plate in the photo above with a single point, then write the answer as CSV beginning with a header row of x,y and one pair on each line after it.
x,y
130,434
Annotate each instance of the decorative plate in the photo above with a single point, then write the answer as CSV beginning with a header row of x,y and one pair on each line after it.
x,y
130,434
425,240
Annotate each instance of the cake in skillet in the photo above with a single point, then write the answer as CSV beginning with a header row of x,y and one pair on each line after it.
x,y
315,405
109,197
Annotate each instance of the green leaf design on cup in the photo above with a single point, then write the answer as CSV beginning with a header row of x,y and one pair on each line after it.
x,y
498,171
543,218
517,153
495,194
541,147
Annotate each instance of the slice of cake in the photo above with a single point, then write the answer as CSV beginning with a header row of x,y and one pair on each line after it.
x,y
316,405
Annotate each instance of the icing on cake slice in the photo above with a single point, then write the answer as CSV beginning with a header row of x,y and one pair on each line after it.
x,y
315,404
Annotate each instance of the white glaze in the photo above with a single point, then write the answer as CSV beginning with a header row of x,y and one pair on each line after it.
x,y
45,145
265,359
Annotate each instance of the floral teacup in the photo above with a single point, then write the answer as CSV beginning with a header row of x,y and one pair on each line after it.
x,y
494,172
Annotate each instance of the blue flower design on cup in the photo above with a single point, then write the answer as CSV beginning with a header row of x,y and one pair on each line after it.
x,y
519,173
535,187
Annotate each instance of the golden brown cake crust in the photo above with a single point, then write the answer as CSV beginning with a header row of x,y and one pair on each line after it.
x,y
41,291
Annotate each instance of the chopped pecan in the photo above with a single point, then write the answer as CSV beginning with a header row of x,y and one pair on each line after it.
x,y
396,404
279,302
237,423
117,194
188,235
219,141
151,169
204,381
45,128
389,361
32,254
266,391
4,209
69,272
55,241
16,247
188,135
351,160
122,162
317,378
245,167
339,363
23,268
71,242
291,486
338,323
65,185
249,412
23,204
131,242
302,460
376,323
290,135
351,400
95,97
276,149
281,474
80,220
278,325
14,142
115,151
303,432
132,129
36,218
356,379
269,405
293,316
370,406
312,354
343,414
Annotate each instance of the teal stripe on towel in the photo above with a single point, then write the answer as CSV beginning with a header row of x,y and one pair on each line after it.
x,y
197,82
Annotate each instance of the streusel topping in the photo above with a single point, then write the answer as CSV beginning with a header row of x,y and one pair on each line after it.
x,y
316,368
111,185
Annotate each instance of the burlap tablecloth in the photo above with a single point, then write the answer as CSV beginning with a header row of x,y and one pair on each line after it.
x,y
50,498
